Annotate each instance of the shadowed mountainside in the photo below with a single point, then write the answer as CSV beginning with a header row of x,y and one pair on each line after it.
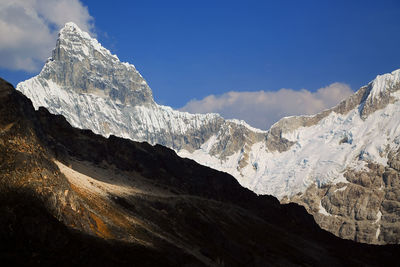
x,y
75,197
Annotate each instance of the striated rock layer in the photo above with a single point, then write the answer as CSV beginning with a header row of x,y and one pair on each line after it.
x,y
94,90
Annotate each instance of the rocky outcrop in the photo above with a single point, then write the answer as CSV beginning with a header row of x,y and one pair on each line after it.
x,y
365,209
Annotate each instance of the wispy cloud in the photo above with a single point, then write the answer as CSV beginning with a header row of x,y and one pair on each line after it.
x,y
263,108
28,29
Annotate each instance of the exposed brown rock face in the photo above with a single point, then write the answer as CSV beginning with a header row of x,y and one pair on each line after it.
x,y
26,164
275,141
233,138
366,209
167,209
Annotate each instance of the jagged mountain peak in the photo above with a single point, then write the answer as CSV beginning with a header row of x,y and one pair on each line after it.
x,y
72,39
71,27
81,64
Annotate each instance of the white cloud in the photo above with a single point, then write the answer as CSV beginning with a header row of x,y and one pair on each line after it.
x,y
28,29
263,108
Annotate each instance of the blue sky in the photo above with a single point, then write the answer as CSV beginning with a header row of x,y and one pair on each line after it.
x,y
190,50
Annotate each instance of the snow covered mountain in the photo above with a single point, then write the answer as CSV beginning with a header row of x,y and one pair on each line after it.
x,y
307,159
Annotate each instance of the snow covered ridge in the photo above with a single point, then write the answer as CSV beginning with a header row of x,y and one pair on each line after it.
x,y
94,90
383,83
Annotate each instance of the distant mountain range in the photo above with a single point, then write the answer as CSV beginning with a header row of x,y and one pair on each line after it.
x,y
341,164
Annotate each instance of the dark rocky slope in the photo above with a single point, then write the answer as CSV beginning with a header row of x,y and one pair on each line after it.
x,y
69,196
